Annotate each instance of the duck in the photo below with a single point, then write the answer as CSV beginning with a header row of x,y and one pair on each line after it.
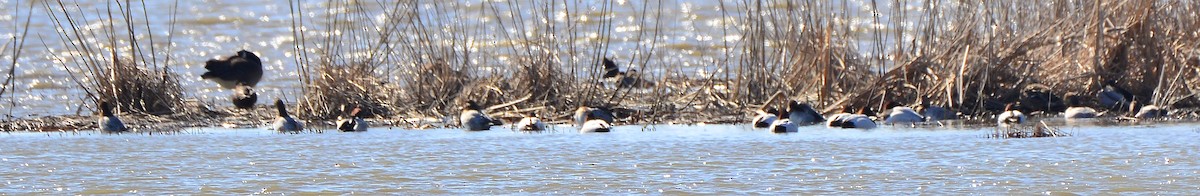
x,y
1076,109
857,120
765,117
585,113
243,97
1010,116
473,118
351,121
803,114
902,114
109,122
935,113
784,126
1148,111
285,122
244,68
531,122
595,124
1114,97
625,79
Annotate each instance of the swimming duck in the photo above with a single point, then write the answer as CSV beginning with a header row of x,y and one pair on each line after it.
x,y
351,121
935,113
765,118
108,121
1114,97
472,118
626,79
784,126
595,124
857,120
531,123
803,114
583,112
902,114
1076,109
244,68
244,97
284,122
1010,116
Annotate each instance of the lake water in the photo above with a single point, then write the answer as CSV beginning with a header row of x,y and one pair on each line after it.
x,y
710,159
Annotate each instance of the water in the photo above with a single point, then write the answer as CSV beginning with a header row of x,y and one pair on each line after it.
x,y
711,159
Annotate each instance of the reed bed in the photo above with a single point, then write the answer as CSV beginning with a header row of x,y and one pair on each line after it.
x,y
406,60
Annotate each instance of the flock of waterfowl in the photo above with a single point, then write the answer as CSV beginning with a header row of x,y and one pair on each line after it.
x,y
243,71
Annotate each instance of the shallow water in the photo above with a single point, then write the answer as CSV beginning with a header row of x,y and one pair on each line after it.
x,y
711,159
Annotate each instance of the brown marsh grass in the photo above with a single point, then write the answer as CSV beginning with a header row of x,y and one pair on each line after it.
x,y
423,60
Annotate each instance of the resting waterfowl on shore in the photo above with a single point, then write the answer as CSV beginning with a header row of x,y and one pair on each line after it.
x,y
1010,116
472,118
243,97
763,119
531,122
1148,111
1076,109
623,79
803,114
351,121
245,68
783,126
584,113
109,122
1113,97
285,122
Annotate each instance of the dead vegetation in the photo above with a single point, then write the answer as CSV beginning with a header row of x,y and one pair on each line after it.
x,y
1034,130
422,60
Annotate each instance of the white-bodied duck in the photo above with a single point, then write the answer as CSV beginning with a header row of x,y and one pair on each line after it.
x,y
531,122
285,122
109,122
595,124
602,113
1076,109
900,114
351,121
763,119
1010,116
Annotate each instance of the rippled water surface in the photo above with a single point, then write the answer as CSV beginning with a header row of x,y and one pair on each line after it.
x,y
633,159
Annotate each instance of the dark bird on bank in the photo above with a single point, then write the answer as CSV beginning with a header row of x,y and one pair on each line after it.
x,y
285,122
1113,97
108,121
244,68
1037,97
624,79
351,120
244,97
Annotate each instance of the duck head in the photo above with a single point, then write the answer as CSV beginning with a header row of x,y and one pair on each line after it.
x,y
771,110
106,109
248,56
471,105
356,111
281,108
1073,100
610,68
244,97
